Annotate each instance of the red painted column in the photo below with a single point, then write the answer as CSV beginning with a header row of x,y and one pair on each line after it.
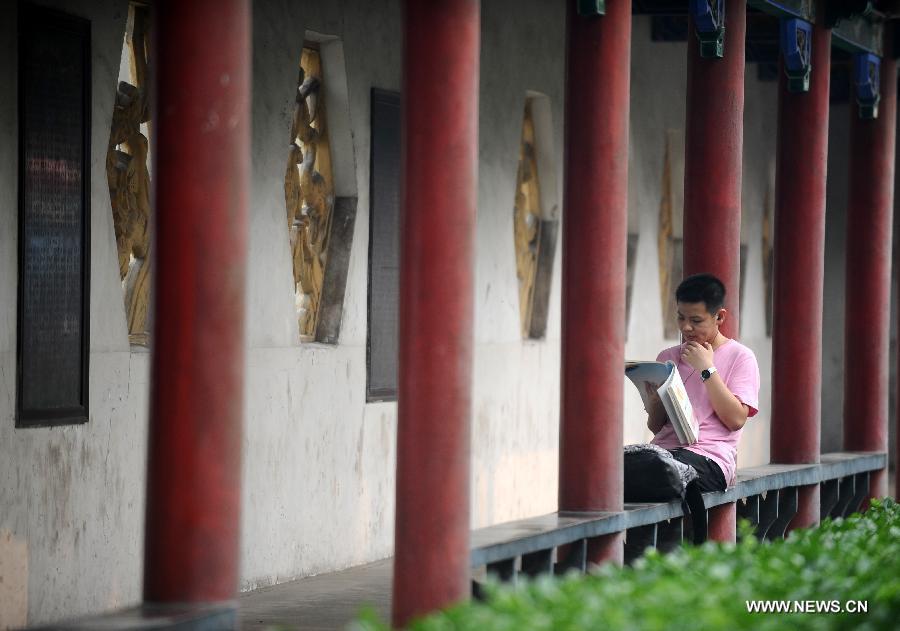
x,y
722,520
867,313
593,259
799,272
439,190
201,181
714,139
808,508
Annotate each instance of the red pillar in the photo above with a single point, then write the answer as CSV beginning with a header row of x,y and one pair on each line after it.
x,y
867,313
722,521
714,139
440,162
801,168
593,260
201,179
808,507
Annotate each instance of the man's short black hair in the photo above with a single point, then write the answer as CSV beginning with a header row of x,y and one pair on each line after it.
x,y
704,288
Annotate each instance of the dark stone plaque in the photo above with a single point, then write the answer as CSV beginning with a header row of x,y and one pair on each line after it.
x,y
331,305
384,247
54,222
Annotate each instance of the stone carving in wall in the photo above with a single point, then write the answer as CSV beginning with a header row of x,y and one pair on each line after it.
x,y
768,252
526,221
129,178
630,264
670,242
309,192
535,217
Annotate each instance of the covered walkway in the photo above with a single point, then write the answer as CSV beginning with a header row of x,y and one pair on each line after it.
x,y
197,430
317,603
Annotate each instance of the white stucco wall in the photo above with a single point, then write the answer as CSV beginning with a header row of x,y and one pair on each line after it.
x,y
318,466
760,128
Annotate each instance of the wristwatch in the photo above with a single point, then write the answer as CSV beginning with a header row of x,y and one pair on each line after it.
x,y
706,374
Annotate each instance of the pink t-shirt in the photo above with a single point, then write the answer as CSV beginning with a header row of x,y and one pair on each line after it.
x,y
738,368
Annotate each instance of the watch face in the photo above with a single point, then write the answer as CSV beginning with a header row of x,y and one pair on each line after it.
x,y
705,374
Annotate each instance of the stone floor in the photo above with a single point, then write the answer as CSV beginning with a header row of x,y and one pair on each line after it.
x,y
327,601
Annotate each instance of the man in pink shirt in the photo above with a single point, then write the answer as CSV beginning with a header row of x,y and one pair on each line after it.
x,y
721,377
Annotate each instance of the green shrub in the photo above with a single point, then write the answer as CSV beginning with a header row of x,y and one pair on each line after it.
x,y
706,587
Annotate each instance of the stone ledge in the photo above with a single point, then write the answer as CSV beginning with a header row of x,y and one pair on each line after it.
x,y
533,534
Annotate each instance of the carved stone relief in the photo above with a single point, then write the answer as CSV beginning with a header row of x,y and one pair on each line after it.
x,y
129,177
309,192
742,281
768,251
630,263
670,242
526,221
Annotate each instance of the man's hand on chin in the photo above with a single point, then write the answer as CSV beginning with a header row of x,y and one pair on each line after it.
x,y
697,356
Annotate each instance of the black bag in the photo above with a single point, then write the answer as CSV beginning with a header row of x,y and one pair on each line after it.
x,y
653,475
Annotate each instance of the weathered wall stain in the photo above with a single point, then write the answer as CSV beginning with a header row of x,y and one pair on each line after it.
x,y
13,581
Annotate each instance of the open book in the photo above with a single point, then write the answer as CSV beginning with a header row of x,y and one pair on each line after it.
x,y
652,378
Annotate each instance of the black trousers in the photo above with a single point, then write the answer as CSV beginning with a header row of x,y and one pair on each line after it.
x,y
711,476
711,479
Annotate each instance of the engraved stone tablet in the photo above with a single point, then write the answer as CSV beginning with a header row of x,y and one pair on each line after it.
x,y
384,247
54,102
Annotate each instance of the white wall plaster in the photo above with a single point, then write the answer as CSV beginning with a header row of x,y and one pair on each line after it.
x,y
760,124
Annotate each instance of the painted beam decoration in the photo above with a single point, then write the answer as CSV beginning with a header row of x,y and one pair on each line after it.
x,y
803,9
866,82
863,34
128,176
796,38
591,7
709,21
856,25
309,192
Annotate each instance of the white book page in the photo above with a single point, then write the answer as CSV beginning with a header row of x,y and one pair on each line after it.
x,y
647,377
682,413
673,416
658,379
